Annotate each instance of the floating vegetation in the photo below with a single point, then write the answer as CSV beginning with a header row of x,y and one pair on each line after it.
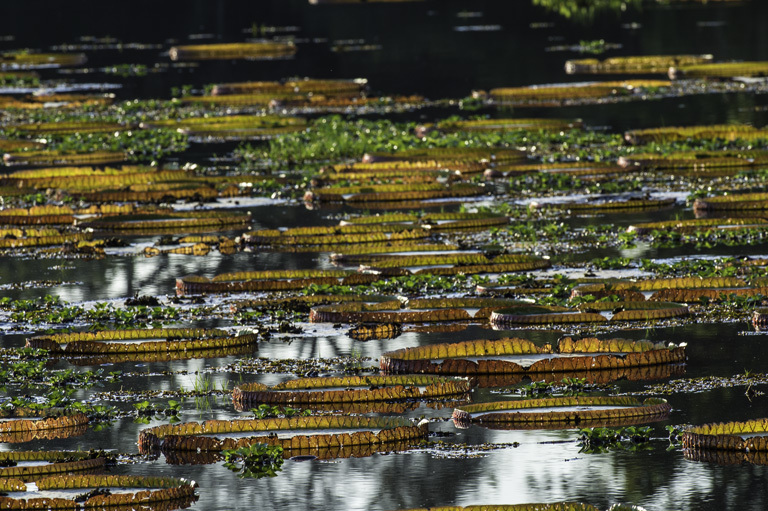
x,y
233,127
507,124
349,389
149,491
212,219
574,94
698,225
514,355
720,70
24,425
65,158
256,461
599,440
255,50
280,280
746,436
735,202
593,312
27,60
562,412
628,205
67,127
393,192
674,134
415,311
298,433
659,288
634,64
696,160
110,342
29,465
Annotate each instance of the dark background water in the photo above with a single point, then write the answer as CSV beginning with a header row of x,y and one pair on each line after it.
x,y
423,50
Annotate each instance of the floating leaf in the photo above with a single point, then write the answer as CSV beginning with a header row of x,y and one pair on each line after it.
x,y
361,431
265,49
311,391
502,357
634,64
110,342
732,436
613,410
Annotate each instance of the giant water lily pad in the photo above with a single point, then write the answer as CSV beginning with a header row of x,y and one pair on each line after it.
x,y
720,70
393,192
521,356
314,432
699,224
555,95
124,491
527,124
24,425
305,85
416,311
54,157
175,222
110,342
348,389
563,412
750,436
696,160
678,133
279,280
28,60
595,312
29,465
255,50
733,202
633,64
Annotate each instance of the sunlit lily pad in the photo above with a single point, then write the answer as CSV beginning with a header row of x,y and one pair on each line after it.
x,y
256,50
300,86
563,411
750,436
139,341
314,432
27,60
696,160
520,356
23,425
507,125
554,95
596,312
29,465
744,201
720,70
634,64
350,389
126,490
64,158
678,133
416,311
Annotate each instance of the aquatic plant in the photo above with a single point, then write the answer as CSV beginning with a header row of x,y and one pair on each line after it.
x,y
498,356
563,411
311,391
599,440
254,461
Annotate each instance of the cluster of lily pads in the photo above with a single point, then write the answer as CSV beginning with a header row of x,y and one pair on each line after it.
x,y
436,226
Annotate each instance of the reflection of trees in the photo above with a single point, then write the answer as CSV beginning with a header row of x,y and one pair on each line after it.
x,y
584,10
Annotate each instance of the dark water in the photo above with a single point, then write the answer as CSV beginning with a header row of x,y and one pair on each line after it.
x,y
425,48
